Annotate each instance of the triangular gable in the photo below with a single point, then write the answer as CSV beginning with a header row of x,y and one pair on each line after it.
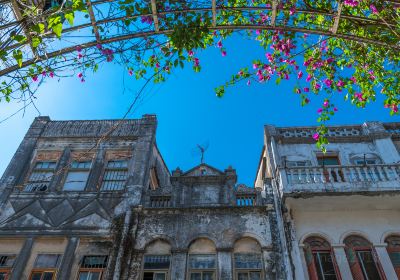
x,y
203,170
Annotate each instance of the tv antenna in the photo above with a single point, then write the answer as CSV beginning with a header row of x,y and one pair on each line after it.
x,y
201,150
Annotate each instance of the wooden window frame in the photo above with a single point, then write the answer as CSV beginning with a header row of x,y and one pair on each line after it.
x,y
248,270
325,170
197,270
7,271
106,168
89,169
167,271
101,270
43,270
40,170
391,249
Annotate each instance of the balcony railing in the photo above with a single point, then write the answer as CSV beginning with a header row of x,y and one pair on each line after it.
x,y
343,174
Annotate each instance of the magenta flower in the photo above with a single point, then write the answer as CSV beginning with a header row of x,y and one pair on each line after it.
x,y
80,55
248,82
306,89
82,80
51,74
299,75
43,73
373,9
326,103
219,44
130,72
255,66
258,32
223,53
319,111
80,75
328,82
35,78
307,100
292,11
78,48
99,46
335,109
309,77
395,108
340,83
315,136
240,73
353,79
190,53
298,91
317,86
196,61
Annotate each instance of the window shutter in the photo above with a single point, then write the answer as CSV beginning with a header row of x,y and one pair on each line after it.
x,y
312,272
378,264
354,265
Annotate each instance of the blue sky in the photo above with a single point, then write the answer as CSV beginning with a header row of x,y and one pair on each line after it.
x,y
187,109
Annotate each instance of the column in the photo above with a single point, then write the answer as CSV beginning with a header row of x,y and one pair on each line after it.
x,y
385,261
68,259
341,260
224,268
299,261
22,259
178,264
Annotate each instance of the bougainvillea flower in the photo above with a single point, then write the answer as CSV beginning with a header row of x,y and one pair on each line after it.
x,y
319,111
292,11
82,80
240,73
306,89
219,44
317,86
196,61
99,46
80,75
255,66
309,77
223,53
80,55
335,109
78,48
373,9
298,91
248,82
190,53
315,136
35,78
51,74
340,83
326,103
43,73
130,72
299,75
328,82
353,79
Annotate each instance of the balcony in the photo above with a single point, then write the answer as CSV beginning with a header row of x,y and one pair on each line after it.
x,y
350,178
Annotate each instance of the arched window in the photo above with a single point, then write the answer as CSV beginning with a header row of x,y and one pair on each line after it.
x,y
202,260
362,258
247,259
393,249
320,259
156,261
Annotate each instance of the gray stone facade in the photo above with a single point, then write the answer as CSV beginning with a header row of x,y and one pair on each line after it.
x,y
99,190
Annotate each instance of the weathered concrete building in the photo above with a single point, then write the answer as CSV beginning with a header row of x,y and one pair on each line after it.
x,y
339,212
94,200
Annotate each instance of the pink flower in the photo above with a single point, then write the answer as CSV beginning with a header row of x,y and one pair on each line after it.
x,y
317,86
373,9
255,66
223,53
359,96
80,55
315,136
353,79
130,72
80,75
82,80
298,91
43,73
328,82
309,77
319,111
219,44
326,103
306,89
395,108
292,11
78,48
258,32
340,83
35,78
190,53
335,109
99,46
248,82
51,74
299,75
157,65
240,73
196,61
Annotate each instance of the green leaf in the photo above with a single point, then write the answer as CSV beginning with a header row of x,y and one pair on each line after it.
x,y
19,38
57,29
17,54
36,41
70,17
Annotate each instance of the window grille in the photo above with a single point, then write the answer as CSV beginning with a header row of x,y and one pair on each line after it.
x,y
202,267
156,262
77,176
94,262
245,200
160,201
115,175
41,176
47,261
6,261
248,261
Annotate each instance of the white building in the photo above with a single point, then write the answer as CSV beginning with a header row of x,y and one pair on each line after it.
x,y
340,211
